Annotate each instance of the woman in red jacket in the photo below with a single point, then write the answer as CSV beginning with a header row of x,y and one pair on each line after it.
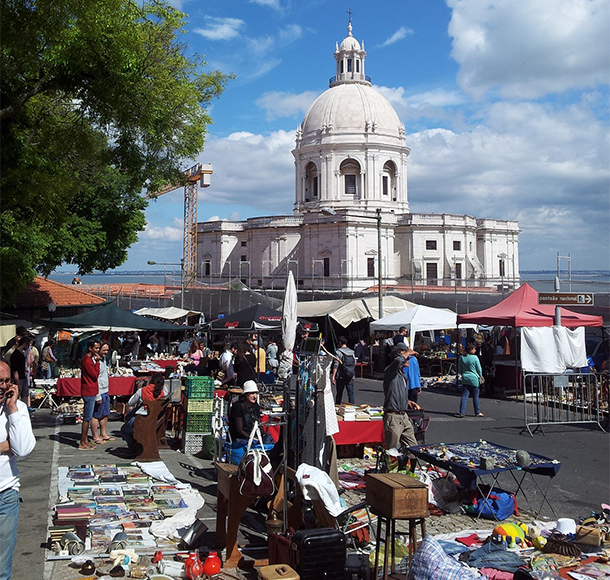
x,y
89,372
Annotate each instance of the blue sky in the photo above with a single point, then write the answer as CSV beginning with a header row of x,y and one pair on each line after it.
x,y
505,105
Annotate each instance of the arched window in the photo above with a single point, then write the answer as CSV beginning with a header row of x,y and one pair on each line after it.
x,y
311,181
388,180
350,172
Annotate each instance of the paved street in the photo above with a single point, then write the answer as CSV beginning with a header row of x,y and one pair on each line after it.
x,y
582,483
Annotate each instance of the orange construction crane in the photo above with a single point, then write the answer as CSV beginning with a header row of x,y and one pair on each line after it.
x,y
198,175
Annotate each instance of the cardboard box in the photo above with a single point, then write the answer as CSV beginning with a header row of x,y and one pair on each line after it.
x,y
395,495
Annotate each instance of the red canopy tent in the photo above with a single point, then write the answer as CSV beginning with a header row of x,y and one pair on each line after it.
x,y
521,308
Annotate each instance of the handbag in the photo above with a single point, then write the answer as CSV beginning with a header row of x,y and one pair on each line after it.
x,y
255,473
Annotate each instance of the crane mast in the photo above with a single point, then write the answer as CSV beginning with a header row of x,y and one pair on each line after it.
x,y
196,176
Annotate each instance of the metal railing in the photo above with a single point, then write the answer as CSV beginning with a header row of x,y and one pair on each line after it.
x,y
551,399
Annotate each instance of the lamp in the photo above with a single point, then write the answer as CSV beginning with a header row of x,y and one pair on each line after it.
x,y
330,212
181,264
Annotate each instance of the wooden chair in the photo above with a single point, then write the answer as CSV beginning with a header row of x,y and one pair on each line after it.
x,y
149,430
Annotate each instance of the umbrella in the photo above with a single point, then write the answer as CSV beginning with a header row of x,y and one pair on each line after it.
x,y
257,317
289,314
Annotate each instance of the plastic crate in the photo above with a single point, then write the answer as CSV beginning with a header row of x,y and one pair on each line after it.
x,y
200,405
192,443
198,422
199,387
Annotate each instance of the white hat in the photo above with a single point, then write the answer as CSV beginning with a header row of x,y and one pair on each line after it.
x,y
250,387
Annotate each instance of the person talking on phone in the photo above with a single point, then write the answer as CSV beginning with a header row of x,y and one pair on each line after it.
x,y
16,440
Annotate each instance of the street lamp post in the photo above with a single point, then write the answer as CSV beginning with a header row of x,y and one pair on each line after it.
x,y
181,264
377,218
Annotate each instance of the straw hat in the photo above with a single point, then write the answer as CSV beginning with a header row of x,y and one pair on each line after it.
x,y
250,387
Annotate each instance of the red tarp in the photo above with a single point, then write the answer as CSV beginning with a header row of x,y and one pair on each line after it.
x,y
521,308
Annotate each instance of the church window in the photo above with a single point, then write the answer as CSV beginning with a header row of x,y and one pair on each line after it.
x,y
243,258
350,185
357,66
350,170
341,67
349,65
315,186
207,268
502,268
388,183
458,273
431,274
311,180
370,267
457,245
430,244
326,262
244,244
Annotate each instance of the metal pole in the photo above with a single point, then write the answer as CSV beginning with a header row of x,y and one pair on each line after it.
x,y
182,283
379,272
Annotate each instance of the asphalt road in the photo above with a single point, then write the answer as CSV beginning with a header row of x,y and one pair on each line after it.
x,y
582,484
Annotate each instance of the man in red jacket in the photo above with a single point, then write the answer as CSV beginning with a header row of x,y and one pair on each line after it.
x,y
89,373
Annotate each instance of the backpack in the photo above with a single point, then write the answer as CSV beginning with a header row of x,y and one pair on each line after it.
x,y
347,368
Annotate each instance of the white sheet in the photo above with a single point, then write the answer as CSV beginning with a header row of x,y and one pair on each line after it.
x,y
552,349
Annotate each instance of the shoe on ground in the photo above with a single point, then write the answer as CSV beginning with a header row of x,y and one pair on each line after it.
x,y
480,415
459,416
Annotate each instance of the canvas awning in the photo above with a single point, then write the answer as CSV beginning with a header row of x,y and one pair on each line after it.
x,y
521,308
170,313
344,312
111,317
257,317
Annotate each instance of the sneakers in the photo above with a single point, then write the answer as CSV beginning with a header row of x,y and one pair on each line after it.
x,y
480,415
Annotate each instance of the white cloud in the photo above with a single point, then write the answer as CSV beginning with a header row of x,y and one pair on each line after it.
x,y
279,104
275,4
401,33
220,28
544,167
529,49
162,234
252,170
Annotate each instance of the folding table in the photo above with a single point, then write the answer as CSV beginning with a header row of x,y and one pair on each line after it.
x,y
48,387
464,461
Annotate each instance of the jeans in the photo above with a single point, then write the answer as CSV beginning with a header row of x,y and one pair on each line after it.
x,y
127,432
466,390
9,514
350,391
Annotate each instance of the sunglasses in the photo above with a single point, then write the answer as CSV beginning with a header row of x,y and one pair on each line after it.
x,y
6,381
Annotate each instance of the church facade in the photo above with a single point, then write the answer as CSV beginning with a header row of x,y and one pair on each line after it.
x,y
351,212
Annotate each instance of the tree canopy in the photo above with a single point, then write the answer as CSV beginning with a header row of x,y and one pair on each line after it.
x,y
98,101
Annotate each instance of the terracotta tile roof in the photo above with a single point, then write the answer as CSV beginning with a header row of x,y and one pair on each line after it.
x,y
42,291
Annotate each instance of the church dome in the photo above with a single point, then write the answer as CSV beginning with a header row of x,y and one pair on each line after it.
x,y
351,108
350,43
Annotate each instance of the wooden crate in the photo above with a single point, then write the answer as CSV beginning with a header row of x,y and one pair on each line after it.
x,y
397,496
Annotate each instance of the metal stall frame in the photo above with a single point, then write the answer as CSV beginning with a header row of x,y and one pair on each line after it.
x,y
560,399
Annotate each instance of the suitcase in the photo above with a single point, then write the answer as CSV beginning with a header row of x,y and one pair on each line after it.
x,y
357,567
277,572
318,554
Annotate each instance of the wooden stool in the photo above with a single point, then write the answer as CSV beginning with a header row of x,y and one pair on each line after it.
x,y
390,537
396,496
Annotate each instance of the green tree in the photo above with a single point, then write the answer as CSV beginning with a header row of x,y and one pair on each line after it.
x,y
99,100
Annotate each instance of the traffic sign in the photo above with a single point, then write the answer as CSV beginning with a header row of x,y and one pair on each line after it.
x,y
560,298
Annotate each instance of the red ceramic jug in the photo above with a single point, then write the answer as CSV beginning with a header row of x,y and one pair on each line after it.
x,y
212,564
193,566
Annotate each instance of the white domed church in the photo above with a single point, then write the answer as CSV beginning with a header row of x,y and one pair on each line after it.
x,y
351,209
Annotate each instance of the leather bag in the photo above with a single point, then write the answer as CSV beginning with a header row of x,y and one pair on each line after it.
x,y
255,473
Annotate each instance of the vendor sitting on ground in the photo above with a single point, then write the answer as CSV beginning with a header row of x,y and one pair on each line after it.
x,y
151,392
244,413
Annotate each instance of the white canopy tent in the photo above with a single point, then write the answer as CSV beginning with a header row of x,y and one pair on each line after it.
x,y
170,313
417,319
346,311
